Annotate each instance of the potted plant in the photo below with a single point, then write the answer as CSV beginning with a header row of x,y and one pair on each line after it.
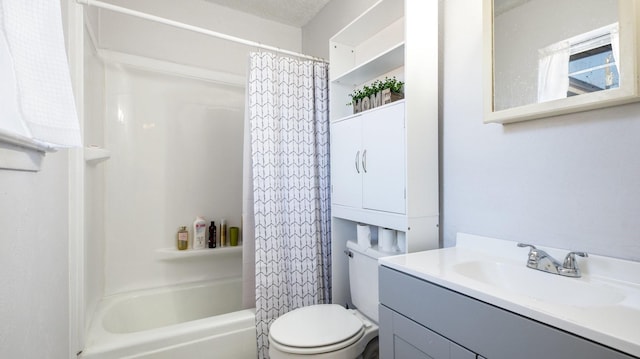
x,y
378,93
391,90
356,100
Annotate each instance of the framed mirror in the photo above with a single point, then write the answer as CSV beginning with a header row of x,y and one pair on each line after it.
x,y
544,58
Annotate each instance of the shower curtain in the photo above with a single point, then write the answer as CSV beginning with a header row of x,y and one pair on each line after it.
x,y
289,122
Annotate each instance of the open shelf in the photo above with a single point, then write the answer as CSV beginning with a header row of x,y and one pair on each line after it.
x,y
173,253
379,65
94,154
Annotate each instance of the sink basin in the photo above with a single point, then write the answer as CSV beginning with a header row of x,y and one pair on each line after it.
x,y
520,280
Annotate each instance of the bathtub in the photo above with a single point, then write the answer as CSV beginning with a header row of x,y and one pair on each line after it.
x,y
197,320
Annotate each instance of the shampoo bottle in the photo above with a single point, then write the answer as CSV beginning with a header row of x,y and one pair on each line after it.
x,y
199,233
212,235
223,233
183,238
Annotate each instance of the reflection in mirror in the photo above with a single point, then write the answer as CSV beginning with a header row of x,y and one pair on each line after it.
x,y
546,50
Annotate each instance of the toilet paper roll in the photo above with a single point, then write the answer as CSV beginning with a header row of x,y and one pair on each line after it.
x,y
364,235
401,241
386,239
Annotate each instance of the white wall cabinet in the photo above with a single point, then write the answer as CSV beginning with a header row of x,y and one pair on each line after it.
x,y
368,162
384,161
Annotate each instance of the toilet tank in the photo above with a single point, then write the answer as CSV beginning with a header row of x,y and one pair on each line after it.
x,y
363,278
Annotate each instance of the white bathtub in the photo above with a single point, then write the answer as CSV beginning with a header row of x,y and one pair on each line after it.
x,y
198,320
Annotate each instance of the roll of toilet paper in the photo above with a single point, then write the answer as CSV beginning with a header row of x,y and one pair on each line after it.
x,y
386,239
364,235
401,241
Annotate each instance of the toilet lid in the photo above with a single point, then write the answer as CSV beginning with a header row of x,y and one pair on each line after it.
x,y
315,326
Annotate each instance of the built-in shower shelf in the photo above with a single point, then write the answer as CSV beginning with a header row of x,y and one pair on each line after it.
x,y
173,253
94,154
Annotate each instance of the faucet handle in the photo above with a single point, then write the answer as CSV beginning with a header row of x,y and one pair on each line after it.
x,y
522,245
570,259
533,251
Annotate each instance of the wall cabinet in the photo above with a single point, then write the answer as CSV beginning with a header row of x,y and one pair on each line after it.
x,y
384,161
417,316
368,158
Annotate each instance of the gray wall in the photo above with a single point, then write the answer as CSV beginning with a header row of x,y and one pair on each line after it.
x,y
568,181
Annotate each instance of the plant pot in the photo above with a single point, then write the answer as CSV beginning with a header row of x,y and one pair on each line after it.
x,y
366,104
389,97
357,106
376,99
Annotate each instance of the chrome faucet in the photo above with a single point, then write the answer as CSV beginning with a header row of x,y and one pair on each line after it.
x,y
541,260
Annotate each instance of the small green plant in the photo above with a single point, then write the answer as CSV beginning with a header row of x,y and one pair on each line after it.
x,y
355,96
392,84
378,85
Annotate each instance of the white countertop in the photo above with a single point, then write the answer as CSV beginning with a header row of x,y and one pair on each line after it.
x,y
603,305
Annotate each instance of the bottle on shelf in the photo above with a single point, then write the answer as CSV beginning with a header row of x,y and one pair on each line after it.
x,y
183,238
212,235
199,233
223,233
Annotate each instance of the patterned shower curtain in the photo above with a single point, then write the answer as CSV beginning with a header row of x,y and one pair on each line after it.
x,y
289,119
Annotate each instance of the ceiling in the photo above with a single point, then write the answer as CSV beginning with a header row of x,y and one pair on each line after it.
x,y
291,12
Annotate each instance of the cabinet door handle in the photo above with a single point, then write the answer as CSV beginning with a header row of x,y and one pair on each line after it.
x,y
364,161
358,161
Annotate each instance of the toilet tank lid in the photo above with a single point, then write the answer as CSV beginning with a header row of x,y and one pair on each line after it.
x,y
315,326
371,252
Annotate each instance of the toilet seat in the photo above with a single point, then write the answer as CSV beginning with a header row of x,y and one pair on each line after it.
x,y
333,328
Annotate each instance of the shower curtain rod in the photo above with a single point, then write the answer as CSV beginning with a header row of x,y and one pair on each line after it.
x,y
200,30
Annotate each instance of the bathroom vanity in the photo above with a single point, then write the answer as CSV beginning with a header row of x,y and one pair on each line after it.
x,y
478,300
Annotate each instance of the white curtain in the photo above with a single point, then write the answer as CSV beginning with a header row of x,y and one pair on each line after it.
x,y
288,109
36,98
553,72
615,49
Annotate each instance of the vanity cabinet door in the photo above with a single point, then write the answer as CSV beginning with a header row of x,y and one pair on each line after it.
x,y
403,338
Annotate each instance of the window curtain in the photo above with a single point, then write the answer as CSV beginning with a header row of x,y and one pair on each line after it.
x,y
289,119
36,98
615,44
553,72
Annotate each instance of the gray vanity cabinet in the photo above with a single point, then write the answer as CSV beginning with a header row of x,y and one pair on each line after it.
x,y
410,340
419,319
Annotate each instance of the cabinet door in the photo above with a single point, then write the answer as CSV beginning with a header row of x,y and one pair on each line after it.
x,y
402,338
383,159
346,162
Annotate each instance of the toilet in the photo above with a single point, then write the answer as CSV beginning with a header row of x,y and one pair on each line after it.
x,y
328,331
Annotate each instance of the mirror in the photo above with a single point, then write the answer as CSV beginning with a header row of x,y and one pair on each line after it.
x,y
544,57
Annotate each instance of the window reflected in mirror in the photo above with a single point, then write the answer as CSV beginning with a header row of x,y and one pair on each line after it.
x,y
546,50
579,65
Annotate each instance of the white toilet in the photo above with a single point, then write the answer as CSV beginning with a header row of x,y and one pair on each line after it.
x,y
326,331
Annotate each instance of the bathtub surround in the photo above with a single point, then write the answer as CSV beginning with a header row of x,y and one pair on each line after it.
x,y
288,109
155,125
